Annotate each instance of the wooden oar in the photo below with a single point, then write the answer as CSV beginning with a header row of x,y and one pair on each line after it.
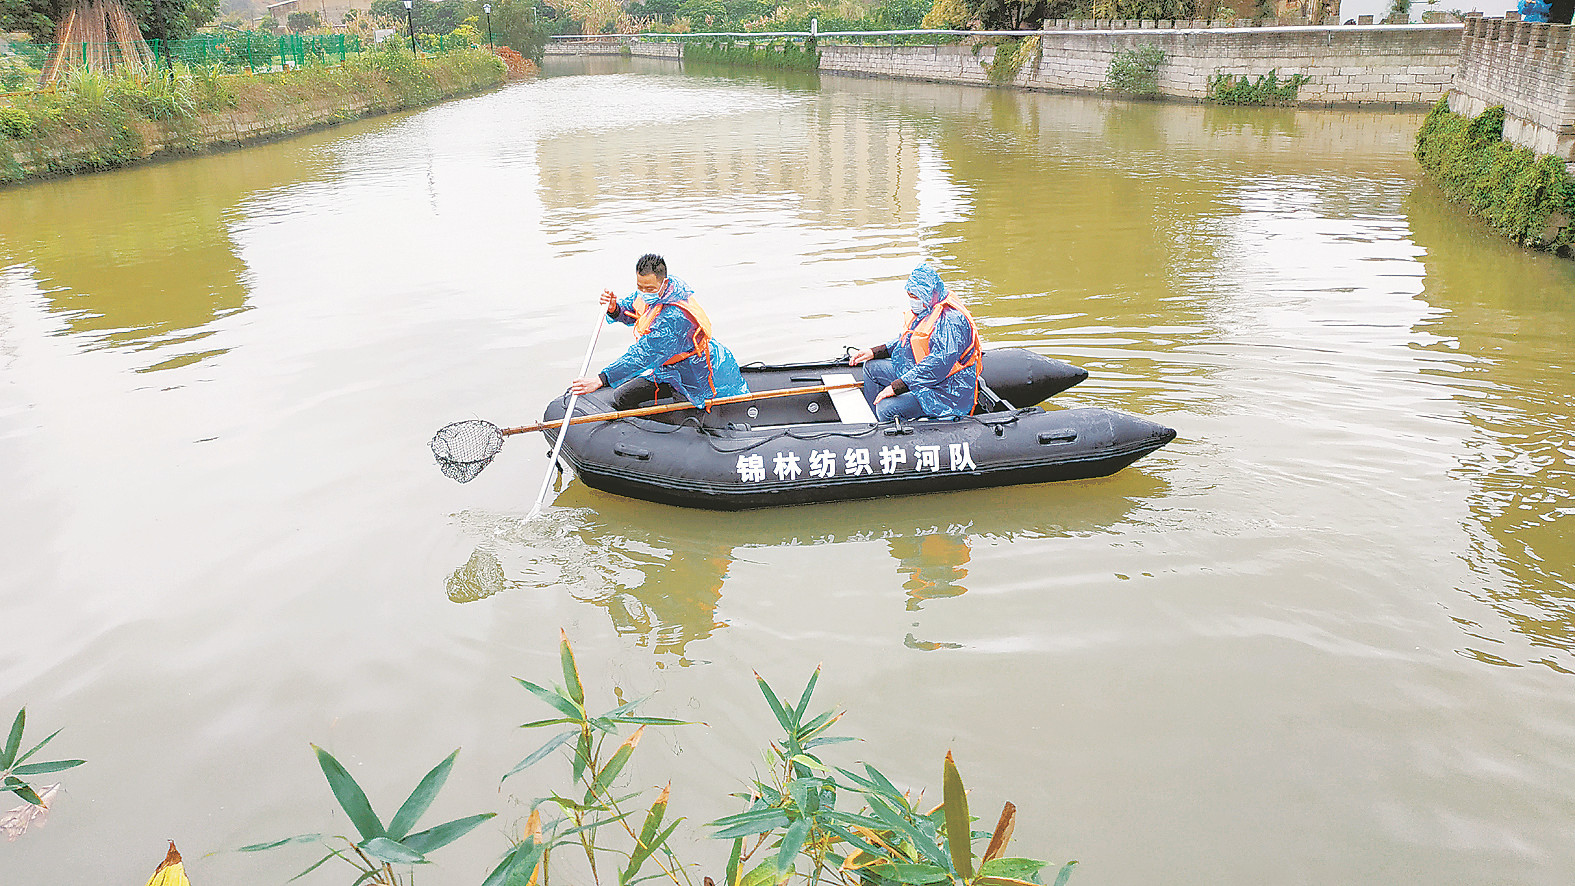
x,y
676,407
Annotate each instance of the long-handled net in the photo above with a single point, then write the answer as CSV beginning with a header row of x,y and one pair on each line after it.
x,y
464,448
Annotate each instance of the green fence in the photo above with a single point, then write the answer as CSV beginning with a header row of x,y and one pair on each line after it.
x,y
256,52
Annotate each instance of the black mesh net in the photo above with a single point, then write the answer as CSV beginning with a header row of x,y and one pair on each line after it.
x,y
463,448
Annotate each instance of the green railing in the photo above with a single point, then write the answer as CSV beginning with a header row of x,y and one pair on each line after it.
x,y
254,53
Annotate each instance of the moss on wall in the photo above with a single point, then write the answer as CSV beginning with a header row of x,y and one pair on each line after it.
x,y
1529,198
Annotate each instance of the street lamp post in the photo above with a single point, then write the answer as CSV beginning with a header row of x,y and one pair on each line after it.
x,y
487,8
410,22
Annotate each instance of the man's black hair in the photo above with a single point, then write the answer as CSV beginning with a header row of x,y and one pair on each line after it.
x,y
653,264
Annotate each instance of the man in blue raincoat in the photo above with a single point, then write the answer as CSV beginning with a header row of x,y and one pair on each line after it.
x,y
932,367
672,340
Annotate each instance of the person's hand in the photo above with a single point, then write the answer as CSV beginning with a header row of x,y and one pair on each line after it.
x,y
609,301
586,385
863,356
884,393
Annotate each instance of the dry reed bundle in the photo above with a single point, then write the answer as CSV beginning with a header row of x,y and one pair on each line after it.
x,y
99,35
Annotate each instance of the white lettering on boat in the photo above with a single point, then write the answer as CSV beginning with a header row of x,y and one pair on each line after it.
x,y
822,464
751,468
858,462
927,458
891,457
962,458
786,466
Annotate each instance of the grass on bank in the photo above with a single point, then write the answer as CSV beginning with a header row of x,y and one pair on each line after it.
x,y
99,116
1529,198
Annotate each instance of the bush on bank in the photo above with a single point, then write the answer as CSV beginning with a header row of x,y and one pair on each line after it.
x,y
1530,198
101,118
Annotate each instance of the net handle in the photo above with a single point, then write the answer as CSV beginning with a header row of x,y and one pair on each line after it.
x,y
675,407
568,412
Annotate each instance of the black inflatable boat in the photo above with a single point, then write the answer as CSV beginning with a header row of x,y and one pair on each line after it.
x,y
827,446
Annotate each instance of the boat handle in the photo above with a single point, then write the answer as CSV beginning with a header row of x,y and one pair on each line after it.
x,y
1046,437
631,452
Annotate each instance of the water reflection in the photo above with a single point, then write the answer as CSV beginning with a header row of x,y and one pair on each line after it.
x,y
142,258
659,572
1504,356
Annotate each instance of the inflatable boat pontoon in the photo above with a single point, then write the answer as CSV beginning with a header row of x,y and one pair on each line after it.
x,y
827,446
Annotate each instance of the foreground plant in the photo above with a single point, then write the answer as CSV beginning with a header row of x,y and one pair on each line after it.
x,y
794,817
14,765
381,848
588,816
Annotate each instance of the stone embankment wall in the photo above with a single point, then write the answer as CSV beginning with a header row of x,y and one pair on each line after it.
x,y
613,46
1393,65
1529,68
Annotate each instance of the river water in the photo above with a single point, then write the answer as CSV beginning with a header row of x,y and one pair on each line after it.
x,y
1327,635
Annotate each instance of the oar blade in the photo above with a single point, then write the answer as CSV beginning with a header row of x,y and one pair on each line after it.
x,y
464,448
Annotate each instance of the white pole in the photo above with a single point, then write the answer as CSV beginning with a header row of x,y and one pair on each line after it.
x,y
568,413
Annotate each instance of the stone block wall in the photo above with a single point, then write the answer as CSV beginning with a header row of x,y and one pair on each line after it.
x,y
1394,65
1529,68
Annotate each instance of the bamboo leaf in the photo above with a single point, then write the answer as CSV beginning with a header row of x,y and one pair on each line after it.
x,y
171,871
420,799
916,874
21,789
733,862
854,839
827,739
748,824
518,866
441,835
615,765
653,818
1011,868
1003,881
958,822
763,874
645,850
41,768
555,721
571,673
35,749
1003,833
1066,873
654,721
582,755
275,844
922,842
803,700
792,842
562,705
350,796
332,853
13,741
384,849
537,755
781,713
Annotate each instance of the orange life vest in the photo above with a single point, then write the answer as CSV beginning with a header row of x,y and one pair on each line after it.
x,y
918,336
700,344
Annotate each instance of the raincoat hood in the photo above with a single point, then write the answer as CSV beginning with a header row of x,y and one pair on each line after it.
x,y
927,286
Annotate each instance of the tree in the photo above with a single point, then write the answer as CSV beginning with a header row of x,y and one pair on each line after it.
x,y
516,24
302,21
159,19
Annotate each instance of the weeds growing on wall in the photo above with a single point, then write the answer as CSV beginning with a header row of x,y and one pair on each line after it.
x,y
1529,198
91,120
1010,57
1136,71
784,55
1228,89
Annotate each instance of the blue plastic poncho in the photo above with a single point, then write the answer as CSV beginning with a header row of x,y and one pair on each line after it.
x,y
939,395
671,334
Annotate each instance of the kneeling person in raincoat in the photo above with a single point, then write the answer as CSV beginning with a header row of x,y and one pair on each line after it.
x,y
672,340
932,367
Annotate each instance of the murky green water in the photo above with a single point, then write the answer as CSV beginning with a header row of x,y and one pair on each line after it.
x,y
1325,636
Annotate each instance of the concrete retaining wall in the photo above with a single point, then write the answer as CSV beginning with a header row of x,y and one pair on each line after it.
x,y
1394,65
1527,67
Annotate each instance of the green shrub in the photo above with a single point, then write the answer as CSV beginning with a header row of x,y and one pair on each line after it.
x,y
1529,198
1227,89
1136,71
15,122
